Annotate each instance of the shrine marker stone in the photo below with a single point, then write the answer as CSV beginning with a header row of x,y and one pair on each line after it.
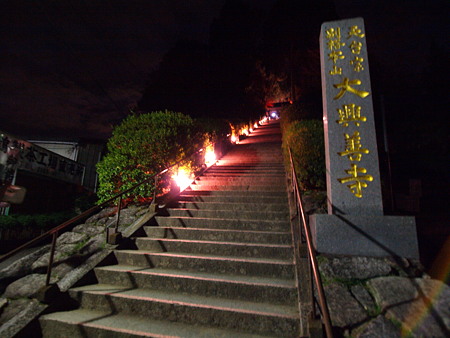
x,y
355,224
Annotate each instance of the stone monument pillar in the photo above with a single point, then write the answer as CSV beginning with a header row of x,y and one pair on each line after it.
x,y
355,223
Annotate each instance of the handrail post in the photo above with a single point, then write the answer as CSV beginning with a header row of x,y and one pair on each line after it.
x,y
50,260
155,188
119,208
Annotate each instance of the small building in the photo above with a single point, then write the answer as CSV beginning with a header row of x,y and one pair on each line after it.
x,y
52,172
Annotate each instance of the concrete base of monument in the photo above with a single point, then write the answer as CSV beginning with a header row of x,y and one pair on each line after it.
x,y
378,236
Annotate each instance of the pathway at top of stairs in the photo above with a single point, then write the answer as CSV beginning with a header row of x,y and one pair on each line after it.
x,y
217,263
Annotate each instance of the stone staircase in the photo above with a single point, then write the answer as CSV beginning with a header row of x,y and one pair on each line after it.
x,y
217,263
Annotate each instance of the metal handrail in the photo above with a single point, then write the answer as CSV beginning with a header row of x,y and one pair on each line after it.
x,y
311,251
54,231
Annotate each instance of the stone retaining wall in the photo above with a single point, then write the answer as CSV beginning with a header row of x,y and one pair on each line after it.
x,y
77,252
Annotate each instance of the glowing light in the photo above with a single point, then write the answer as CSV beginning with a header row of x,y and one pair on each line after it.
x,y
210,156
274,114
255,125
244,132
233,139
182,178
251,130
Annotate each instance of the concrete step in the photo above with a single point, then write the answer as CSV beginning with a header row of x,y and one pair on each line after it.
x,y
223,174
246,316
222,223
243,168
260,180
235,197
238,249
243,187
233,214
231,194
92,323
219,235
271,290
249,266
267,206
274,159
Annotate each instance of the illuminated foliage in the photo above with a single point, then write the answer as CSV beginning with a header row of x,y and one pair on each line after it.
x,y
142,146
305,138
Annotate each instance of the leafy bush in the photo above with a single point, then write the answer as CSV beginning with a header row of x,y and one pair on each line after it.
x,y
41,221
305,138
142,146
215,129
7,222
295,112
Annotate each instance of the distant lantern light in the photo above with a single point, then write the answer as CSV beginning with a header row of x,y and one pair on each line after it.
x,y
182,178
274,114
210,156
255,125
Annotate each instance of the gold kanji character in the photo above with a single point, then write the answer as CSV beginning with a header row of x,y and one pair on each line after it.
x,y
335,44
357,64
335,56
333,33
336,70
353,147
356,47
358,180
350,113
345,87
355,31
334,38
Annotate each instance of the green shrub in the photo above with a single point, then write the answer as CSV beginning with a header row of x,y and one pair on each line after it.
x,y
7,222
305,138
296,112
215,129
25,220
142,146
41,221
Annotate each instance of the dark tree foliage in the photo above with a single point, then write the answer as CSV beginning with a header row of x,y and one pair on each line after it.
x,y
181,82
290,46
250,58
210,80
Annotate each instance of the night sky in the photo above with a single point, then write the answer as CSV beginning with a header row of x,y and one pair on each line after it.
x,y
71,69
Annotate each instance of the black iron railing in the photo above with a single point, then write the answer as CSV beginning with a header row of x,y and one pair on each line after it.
x,y
302,235
56,230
